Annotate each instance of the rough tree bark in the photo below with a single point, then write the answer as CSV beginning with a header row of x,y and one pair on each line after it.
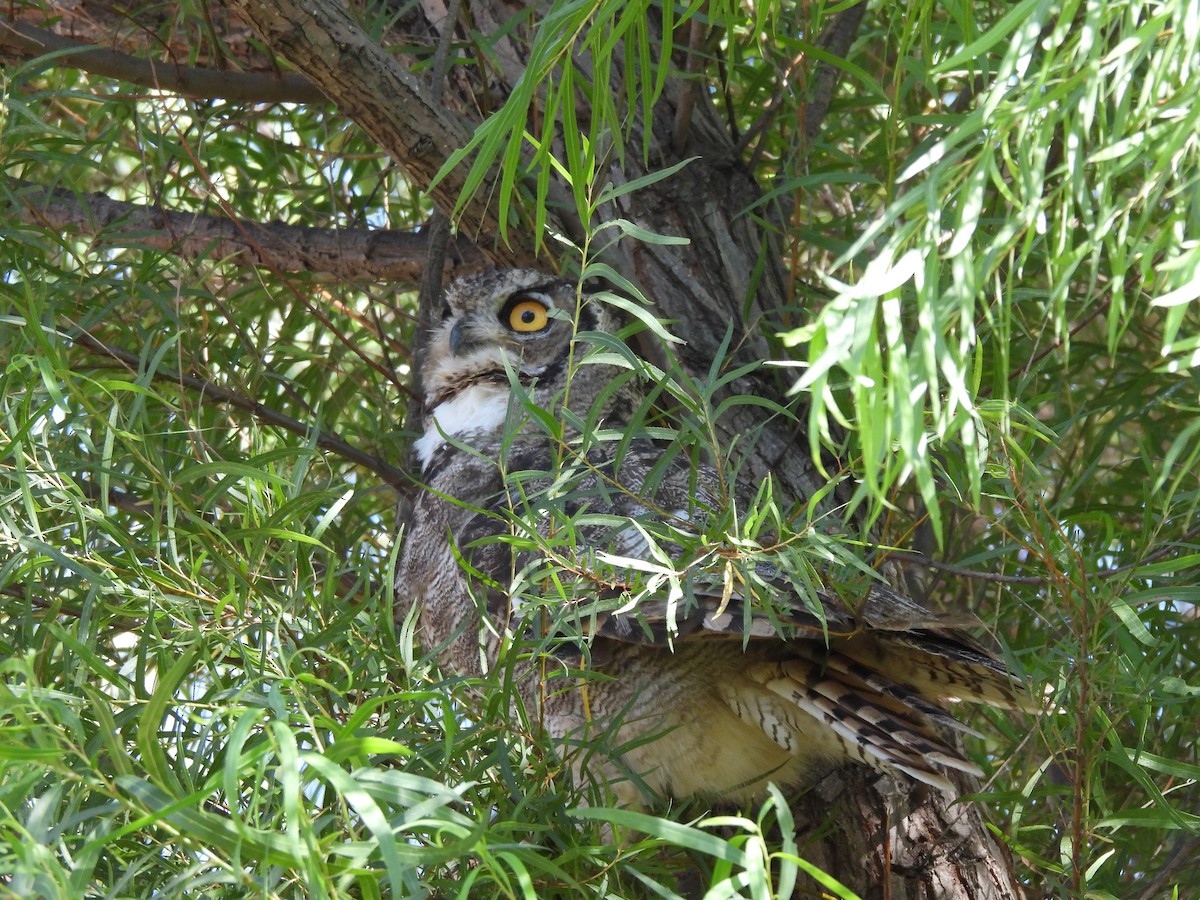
x,y
349,254
888,839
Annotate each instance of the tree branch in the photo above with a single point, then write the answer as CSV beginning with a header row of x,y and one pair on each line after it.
x,y
836,40
397,112
960,571
352,254
683,113
29,42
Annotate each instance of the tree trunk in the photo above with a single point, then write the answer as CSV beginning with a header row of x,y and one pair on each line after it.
x,y
894,840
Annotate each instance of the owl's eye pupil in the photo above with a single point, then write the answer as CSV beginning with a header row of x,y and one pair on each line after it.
x,y
528,316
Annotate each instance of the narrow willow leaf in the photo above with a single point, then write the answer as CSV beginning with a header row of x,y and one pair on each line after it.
x,y
612,192
206,829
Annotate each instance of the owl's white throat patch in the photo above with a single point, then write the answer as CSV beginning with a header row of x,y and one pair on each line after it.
x,y
480,407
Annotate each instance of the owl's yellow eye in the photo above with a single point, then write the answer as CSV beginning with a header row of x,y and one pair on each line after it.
x,y
525,315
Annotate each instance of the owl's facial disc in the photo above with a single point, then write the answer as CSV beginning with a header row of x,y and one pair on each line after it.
x,y
490,330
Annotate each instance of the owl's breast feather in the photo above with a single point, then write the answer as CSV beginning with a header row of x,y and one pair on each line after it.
x,y
480,407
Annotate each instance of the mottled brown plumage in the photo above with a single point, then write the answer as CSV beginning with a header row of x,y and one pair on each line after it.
x,y
692,671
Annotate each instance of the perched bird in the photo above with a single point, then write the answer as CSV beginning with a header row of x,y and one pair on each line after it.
x,y
590,563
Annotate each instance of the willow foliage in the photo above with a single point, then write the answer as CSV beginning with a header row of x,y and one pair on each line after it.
x,y
994,243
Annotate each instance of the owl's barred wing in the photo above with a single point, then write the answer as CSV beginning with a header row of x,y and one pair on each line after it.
x,y
941,659
882,730
934,661
882,694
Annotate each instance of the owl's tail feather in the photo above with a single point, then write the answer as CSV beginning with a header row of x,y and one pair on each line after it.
x,y
883,707
941,669
905,696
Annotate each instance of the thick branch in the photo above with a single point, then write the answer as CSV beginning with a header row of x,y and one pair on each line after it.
x,y
24,42
353,254
836,39
397,110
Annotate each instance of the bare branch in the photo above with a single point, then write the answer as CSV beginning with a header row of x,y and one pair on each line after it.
x,y
836,40
960,571
441,57
27,42
683,113
352,254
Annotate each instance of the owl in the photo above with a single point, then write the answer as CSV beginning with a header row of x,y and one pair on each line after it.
x,y
589,560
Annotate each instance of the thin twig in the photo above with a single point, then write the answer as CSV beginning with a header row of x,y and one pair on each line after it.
x,y
189,81
56,605
1182,856
115,497
961,571
951,569
1079,326
397,478
836,40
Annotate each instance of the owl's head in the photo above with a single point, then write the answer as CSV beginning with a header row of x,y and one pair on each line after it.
x,y
517,321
